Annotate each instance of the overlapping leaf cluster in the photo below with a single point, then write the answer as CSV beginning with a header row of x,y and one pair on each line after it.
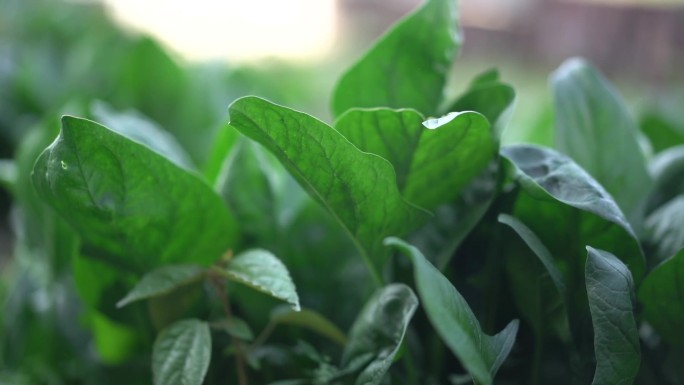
x,y
448,257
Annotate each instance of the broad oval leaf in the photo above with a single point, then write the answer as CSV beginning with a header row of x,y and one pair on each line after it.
x,y
662,297
162,281
378,331
358,188
433,160
235,327
181,353
568,209
130,204
263,271
610,290
450,315
408,66
594,127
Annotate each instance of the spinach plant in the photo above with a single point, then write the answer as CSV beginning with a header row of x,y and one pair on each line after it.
x,y
447,257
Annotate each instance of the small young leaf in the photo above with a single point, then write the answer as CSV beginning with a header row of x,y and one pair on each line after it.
x,y
129,203
406,68
610,290
263,271
378,331
433,159
236,327
162,281
450,315
311,320
181,353
662,297
358,188
594,127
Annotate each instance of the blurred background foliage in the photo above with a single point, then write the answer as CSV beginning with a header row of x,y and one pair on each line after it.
x,y
75,57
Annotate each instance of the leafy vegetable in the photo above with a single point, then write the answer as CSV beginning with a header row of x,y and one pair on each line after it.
x,y
595,129
378,332
161,281
182,353
611,293
358,188
391,74
128,202
433,159
450,315
262,271
662,297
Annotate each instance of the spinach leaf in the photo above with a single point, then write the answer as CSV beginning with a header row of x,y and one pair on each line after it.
x,y
407,68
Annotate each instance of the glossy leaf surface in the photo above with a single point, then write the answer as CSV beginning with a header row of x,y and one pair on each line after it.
x,y
358,188
130,203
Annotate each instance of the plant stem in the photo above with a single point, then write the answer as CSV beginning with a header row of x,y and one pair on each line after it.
x,y
239,358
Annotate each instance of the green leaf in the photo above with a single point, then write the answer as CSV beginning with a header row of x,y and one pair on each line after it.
x,y
450,315
235,327
378,331
129,203
663,120
662,297
665,228
263,271
568,209
408,66
536,245
610,290
358,188
311,320
433,159
8,173
138,128
488,96
181,353
162,281
667,169
594,127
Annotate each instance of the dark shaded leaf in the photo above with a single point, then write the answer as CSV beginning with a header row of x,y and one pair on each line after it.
x,y
311,320
454,321
378,331
610,290
662,297
408,66
568,209
667,169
